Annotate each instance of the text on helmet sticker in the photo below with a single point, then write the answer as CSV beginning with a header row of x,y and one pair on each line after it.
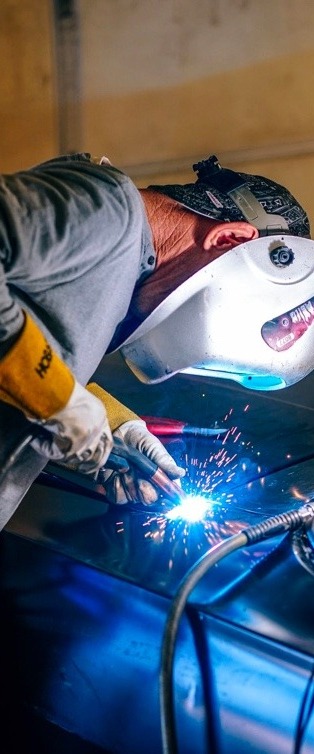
x,y
282,332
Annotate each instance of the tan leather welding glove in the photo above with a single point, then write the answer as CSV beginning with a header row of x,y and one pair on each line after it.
x,y
129,427
68,422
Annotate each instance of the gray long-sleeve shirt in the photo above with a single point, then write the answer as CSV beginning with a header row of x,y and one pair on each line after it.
x,y
74,242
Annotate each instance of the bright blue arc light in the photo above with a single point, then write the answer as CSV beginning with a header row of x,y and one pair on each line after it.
x,y
193,508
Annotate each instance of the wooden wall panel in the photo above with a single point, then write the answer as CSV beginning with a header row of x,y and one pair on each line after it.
x,y
27,84
167,79
163,82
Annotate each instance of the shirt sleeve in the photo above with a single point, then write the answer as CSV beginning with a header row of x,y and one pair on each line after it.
x,y
74,241
11,315
44,213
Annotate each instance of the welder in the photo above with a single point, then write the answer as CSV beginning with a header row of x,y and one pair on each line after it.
x,y
86,260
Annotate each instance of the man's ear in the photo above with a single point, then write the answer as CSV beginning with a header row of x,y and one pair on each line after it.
x,y
227,235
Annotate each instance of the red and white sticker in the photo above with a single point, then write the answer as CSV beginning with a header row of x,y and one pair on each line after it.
x,y
283,332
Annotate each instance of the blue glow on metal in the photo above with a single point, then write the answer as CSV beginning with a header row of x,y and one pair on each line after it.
x,y
193,508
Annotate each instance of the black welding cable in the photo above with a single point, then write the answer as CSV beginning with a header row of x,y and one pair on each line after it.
x,y
271,527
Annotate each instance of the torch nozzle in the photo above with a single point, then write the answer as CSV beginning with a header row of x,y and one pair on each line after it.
x,y
123,454
171,488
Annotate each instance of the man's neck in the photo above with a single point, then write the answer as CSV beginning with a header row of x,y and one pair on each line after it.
x,y
178,237
175,230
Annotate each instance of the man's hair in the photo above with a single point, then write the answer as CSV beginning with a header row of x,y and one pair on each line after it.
x,y
212,196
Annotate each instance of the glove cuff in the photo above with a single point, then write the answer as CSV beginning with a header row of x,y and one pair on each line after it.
x,y
32,376
117,413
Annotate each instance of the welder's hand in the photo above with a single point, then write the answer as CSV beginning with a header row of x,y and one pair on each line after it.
x,y
136,434
123,488
78,436
73,422
127,426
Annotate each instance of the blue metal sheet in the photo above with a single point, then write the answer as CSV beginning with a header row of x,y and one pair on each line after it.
x,y
84,648
85,593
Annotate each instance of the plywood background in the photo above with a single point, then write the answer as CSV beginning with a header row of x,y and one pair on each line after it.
x,y
27,84
162,83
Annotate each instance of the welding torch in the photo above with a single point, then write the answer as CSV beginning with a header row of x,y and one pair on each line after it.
x,y
160,425
121,459
124,457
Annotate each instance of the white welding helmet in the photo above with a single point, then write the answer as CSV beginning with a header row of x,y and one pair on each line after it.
x,y
246,316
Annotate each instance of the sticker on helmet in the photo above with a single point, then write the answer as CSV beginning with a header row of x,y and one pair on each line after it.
x,y
214,199
282,332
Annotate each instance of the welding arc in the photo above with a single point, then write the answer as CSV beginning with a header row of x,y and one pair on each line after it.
x,y
163,426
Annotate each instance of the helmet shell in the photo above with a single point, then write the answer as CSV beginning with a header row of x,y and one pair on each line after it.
x,y
247,316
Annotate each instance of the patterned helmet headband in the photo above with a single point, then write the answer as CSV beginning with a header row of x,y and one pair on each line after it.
x,y
227,196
